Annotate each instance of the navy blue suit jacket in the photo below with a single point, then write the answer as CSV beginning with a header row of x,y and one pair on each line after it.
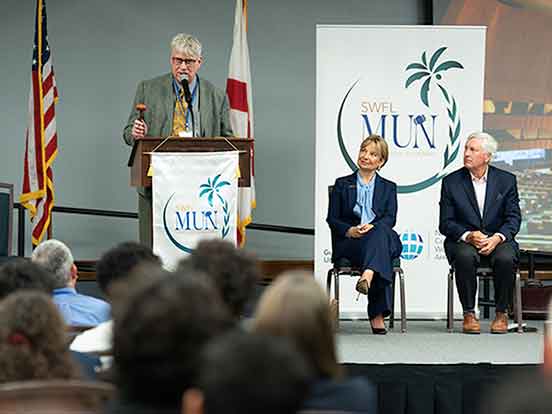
x,y
459,211
343,199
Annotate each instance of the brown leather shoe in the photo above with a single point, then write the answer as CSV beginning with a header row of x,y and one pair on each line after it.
x,y
500,323
471,324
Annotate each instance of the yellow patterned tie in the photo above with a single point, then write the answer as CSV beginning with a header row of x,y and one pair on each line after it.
x,y
179,117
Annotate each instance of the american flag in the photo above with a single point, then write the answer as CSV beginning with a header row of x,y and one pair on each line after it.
x,y
238,88
41,136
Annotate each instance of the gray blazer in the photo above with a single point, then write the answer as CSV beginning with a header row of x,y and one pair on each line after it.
x,y
159,97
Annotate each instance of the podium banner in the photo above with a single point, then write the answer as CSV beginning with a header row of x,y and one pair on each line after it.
x,y
194,198
421,89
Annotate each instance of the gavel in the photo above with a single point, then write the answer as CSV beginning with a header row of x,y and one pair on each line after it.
x,y
141,108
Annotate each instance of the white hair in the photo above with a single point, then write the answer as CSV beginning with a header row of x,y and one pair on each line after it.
x,y
186,44
488,143
55,257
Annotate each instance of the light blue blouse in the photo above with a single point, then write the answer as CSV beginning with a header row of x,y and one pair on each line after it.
x,y
364,201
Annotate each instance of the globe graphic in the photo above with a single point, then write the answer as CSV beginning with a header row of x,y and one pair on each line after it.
x,y
413,245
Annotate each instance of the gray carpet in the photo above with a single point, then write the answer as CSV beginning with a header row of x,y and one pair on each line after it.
x,y
428,342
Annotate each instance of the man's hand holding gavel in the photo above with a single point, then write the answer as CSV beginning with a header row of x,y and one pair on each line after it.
x,y
140,128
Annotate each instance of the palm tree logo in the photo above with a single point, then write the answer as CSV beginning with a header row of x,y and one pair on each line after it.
x,y
212,190
431,72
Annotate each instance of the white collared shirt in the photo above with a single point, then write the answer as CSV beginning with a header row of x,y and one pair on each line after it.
x,y
480,188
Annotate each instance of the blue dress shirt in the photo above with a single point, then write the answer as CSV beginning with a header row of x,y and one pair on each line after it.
x,y
80,310
364,201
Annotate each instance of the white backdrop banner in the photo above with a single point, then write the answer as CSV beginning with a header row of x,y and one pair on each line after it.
x,y
194,198
421,88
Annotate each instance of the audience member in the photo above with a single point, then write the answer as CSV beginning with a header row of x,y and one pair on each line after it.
x,y
548,342
113,268
20,273
118,263
530,393
233,271
76,309
159,333
296,307
246,373
32,339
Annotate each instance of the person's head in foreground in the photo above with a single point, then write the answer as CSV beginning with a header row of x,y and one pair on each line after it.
x,y
22,274
119,262
32,339
548,342
296,307
249,373
525,392
234,272
159,333
56,258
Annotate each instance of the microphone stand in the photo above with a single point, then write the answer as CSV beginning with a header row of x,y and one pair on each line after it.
x,y
191,109
188,99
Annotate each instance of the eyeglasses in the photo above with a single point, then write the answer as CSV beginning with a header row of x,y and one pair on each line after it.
x,y
179,61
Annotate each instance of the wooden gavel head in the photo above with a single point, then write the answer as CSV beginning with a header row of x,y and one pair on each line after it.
x,y
141,108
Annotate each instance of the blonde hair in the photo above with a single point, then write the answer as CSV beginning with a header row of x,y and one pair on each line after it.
x,y
296,307
380,144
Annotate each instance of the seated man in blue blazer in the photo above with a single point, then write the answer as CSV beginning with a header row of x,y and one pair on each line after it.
x,y
480,216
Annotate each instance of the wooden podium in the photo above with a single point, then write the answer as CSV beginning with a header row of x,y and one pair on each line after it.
x,y
139,160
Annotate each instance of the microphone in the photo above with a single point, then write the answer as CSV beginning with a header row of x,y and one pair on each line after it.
x,y
188,99
186,87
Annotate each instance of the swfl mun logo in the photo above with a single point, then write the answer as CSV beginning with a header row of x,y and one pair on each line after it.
x,y
412,125
412,245
202,215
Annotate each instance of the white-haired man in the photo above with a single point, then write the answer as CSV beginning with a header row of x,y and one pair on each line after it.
x,y
480,216
76,309
168,114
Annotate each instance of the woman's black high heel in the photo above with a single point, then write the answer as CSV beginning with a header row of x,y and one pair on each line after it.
x,y
378,331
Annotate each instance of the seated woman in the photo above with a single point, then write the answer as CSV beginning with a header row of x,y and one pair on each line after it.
x,y
296,307
32,339
361,216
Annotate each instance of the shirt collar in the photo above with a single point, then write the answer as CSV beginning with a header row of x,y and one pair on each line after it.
x,y
63,291
361,183
192,84
481,180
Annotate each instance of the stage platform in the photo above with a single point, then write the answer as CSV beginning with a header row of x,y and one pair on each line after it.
x,y
428,342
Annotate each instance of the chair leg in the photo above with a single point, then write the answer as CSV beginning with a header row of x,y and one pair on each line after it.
x,y
329,278
486,297
519,310
392,316
403,301
450,301
336,294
